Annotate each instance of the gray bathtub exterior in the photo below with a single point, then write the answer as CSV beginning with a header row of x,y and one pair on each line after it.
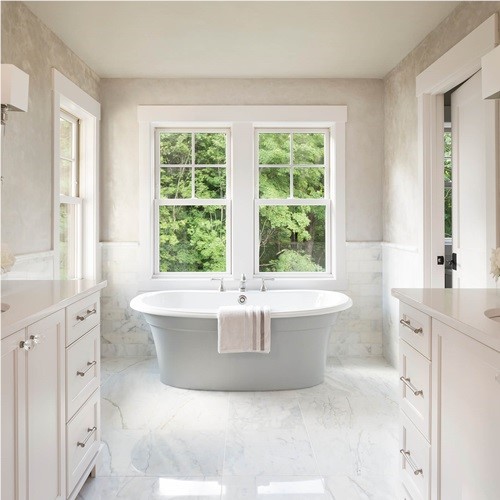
x,y
188,357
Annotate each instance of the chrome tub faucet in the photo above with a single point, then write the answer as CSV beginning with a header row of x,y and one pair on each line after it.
x,y
243,283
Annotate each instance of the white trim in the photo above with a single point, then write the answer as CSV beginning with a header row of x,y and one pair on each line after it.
x,y
451,69
27,257
241,120
75,94
461,61
69,97
260,116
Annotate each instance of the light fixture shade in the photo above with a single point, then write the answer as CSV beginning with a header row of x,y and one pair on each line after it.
x,y
490,65
15,85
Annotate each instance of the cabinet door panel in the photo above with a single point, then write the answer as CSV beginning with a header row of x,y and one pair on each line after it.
x,y
469,435
45,379
13,418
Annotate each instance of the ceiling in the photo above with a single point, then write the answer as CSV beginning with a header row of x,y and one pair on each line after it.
x,y
164,39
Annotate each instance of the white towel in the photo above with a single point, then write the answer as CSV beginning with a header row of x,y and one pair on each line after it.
x,y
244,329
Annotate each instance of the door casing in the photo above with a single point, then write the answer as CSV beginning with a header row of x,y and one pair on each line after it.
x,y
450,70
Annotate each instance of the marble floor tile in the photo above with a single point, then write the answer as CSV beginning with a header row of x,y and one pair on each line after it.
x,y
151,488
337,440
275,488
362,487
275,451
264,410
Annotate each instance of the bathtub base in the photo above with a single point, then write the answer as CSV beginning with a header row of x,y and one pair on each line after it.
x,y
188,357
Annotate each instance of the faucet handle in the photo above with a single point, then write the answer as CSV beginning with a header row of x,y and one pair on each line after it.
x,y
263,287
221,286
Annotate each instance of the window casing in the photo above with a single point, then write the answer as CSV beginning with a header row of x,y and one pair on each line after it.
x,y
76,118
243,124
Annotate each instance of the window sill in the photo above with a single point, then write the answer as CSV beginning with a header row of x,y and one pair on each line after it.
x,y
206,283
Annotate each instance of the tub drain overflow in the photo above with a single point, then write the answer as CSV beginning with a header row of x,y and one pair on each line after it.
x,y
242,299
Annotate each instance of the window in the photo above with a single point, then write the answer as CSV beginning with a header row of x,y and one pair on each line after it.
x,y
191,197
293,201
76,128
227,190
70,205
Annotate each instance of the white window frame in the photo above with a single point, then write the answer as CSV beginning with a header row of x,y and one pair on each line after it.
x,y
69,98
192,202
242,122
75,200
326,201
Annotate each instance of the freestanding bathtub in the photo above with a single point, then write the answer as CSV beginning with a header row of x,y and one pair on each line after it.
x,y
184,327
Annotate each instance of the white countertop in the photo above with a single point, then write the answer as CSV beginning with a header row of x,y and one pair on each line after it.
x,y
460,308
30,301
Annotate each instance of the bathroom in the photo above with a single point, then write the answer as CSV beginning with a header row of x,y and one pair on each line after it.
x,y
104,63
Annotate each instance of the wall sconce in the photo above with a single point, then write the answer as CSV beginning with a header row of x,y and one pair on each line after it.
x,y
15,85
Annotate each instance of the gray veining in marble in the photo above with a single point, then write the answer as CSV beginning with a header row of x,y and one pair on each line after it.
x,y
338,440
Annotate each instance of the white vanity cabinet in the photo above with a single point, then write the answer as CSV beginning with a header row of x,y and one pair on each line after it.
x,y
449,367
50,365
32,421
467,385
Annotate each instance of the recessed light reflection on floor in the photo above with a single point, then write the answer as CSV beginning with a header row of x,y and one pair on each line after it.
x,y
191,488
188,488
301,487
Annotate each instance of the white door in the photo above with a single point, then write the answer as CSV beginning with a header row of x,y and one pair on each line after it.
x,y
469,177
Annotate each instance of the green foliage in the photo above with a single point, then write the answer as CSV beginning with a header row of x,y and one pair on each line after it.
x,y
193,238
447,183
292,261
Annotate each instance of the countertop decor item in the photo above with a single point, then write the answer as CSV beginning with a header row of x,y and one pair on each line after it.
x,y
7,259
495,263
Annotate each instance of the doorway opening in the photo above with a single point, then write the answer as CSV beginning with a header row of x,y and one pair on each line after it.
x,y
448,190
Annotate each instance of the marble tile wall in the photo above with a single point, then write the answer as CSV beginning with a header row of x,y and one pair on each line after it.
x,y
34,266
358,331
402,269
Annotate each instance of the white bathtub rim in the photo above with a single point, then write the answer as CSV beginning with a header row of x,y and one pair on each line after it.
x,y
138,304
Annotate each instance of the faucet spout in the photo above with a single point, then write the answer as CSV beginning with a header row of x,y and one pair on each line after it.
x,y
243,283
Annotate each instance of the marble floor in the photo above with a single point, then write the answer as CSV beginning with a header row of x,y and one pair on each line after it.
x,y
338,440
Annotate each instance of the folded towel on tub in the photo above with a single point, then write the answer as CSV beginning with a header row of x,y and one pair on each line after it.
x,y
244,329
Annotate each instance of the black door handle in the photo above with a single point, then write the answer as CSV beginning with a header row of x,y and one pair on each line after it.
x,y
453,262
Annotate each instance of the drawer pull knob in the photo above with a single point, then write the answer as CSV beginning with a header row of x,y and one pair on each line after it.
x,y
90,431
407,382
85,316
409,461
406,323
90,364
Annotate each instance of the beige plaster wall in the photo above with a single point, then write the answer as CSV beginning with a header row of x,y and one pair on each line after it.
x,y
401,156
119,145
27,143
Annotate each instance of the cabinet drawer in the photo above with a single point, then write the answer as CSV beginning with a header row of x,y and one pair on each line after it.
x,y
415,328
415,387
82,370
81,317
415,460
82,440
